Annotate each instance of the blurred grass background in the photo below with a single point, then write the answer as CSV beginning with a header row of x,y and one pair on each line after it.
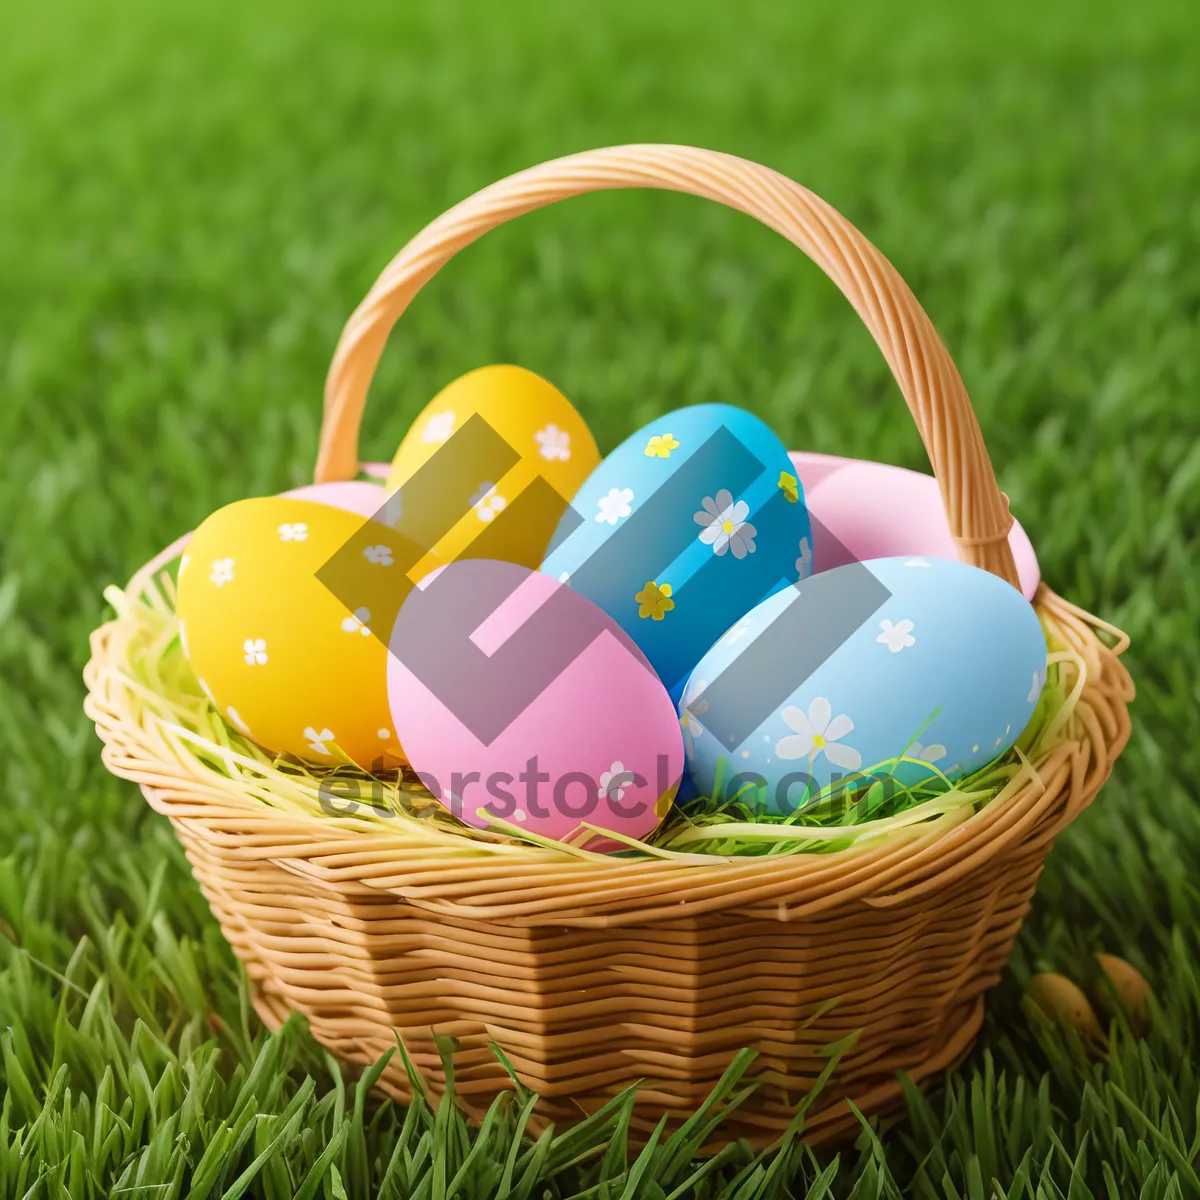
x,y
192,200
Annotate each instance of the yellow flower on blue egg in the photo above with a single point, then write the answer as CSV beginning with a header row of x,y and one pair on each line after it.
x,y
654,600
790,486
661,445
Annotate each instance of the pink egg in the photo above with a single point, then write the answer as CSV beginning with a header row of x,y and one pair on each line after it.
x,y
862,510
517,698
354,495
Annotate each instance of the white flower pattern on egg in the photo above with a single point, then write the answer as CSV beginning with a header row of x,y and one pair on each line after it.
x,y
254,650
615,505
725,526
930,754
804,562
317,739
487,502
816,731
896,637
379,555
295,531
554,444
357,622
614,781
221,572
438,428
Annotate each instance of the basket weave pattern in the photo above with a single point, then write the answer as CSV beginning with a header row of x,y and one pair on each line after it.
x,y
593,973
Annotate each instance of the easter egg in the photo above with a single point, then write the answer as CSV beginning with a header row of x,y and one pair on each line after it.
x,y
518,700
1061,1000
840,676
354,495
489,465
278,602
687,525
864,509
1128,985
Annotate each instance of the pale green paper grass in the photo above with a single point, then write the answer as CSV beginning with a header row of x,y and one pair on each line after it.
x,y
193,197
167,698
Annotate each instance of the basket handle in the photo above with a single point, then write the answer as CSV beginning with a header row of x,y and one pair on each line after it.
x,y
976,509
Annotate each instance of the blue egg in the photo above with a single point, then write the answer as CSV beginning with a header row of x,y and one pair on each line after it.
x,y
924,658
683,529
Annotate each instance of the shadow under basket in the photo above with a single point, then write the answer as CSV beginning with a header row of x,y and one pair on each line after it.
x,y
594,973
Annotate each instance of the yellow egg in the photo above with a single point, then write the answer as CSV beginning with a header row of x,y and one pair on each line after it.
x,y
498,484
288,656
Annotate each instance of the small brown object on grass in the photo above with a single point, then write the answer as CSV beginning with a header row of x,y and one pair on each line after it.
x,y
1062,1000
1130,987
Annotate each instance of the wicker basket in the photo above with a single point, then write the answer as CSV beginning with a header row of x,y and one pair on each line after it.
x,y
591,974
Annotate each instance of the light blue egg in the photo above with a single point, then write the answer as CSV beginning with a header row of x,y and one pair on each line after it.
x,y
921,657
682,529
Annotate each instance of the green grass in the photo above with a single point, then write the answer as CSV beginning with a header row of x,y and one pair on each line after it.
x,y
192,201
